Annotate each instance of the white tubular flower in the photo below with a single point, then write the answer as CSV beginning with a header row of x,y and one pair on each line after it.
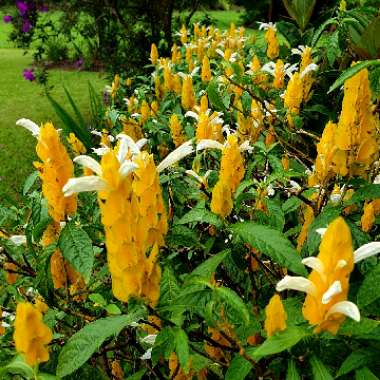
x,y
290,69
147,355
299,50
267,25
127,167
29,125
269,68
196,176
308,69
314,263
209,144
101,151
81,184
334,289
321,231
367,250
149,339
182,151
299,283
18,239
90,163
192,114
346,308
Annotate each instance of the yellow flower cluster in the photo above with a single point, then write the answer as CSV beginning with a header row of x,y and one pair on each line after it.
x,y
293,97
176,131
273,48
76,145
230,175
31,335
275,316
188,96
55,170
134,218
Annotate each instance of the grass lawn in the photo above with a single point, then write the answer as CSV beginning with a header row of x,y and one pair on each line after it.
x,y
20,98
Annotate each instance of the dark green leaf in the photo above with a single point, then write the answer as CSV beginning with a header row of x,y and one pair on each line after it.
x,y
215,99
365,374
76,248
88,340
209,266
200,215
270,242
369,290
292,372
356,359
238,369
351,72
29,182
320,372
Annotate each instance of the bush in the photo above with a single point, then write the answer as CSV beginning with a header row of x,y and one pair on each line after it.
x,y
213,191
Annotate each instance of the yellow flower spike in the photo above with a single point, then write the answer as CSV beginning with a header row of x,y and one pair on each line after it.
x,y
293,96
306,60
188,55
153,54
232,165
176,54
206,72
31,335
273,48
132,128
41,305
154,107
76,145
204,104
176,131
55,170
308,216
183,32
276,316
10,276
356,136
326,304
188,96
115,86
279,74
221,201
285,162
168,78
177,84
145,111
368,218
158,90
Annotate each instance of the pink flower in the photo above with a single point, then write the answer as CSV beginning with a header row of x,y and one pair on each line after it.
x,y
28,74
7,19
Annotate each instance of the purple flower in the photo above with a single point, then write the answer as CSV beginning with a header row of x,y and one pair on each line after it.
x,y
79,63
28,74
43,8
22,7
7,19
26,26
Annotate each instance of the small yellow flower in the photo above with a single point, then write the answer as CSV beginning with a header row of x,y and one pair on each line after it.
x,y
188,96
275,316
273,48
31,335
176,131
153,54
76,145
206,72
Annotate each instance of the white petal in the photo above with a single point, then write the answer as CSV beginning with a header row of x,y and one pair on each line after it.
x,y
367,250
195,175
182,151
29,125
147,355
140,143
269,67
192,114
209,144
308,69
314,263
127,167
96,133
88,183
101,151
149,339
90,163
126,143
321,231
334,289
347,308
245,147
18,239
301,284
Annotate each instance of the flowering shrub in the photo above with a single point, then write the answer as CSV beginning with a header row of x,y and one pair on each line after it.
x,y
219,188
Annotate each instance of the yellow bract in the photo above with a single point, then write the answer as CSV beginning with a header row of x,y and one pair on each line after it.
x,y
176,131
293,96
55,170
273,48
206,72
275,316
153,54
76,145
31,335
188,96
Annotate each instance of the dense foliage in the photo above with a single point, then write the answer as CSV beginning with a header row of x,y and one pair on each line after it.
x,y
172,239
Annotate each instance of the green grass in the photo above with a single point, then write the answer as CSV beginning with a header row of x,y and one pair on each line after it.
x,y
20,98
222,19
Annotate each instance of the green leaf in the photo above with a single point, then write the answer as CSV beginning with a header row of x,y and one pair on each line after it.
x,y
209,266
164,345
46,376
238,369
347,74
76,248
29,182
182,348
364,193
231,299
138,375
320,372
18,367
98,299
88,340
214,97
369,290
365,329
201,215
365,374
113,309
168,288
356,359
291,204
78,114
270,242
292,372
279,342
320,30
300,11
